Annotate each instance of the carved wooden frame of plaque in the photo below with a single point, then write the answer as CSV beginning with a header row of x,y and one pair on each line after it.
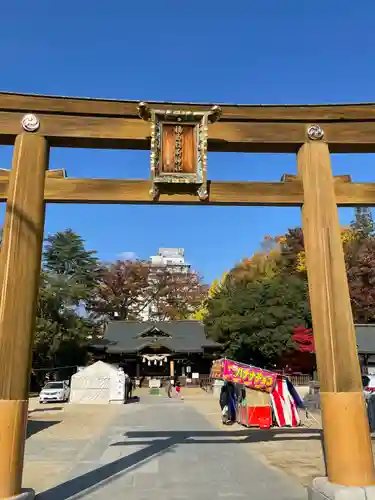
x,y
161,120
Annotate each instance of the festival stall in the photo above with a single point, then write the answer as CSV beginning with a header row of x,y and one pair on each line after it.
x,y
267,397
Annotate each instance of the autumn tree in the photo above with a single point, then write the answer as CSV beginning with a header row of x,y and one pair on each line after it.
x,y
137,289
263,307
360,262
361,279
122,291
302,358
304,339
263,264
254,321
214,288
174,294
293,252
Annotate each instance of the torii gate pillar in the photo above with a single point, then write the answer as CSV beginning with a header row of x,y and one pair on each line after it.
x,y
347,439
19,274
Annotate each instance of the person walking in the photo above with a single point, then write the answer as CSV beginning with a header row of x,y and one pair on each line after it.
x,y
169,388
178,390
128,387
228,403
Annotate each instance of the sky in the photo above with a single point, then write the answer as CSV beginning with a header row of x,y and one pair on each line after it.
x,y
252,52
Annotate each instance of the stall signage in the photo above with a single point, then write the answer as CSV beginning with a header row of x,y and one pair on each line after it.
x,y
250,376
217,369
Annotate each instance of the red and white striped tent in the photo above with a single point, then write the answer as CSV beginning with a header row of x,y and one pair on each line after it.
x,y
284,404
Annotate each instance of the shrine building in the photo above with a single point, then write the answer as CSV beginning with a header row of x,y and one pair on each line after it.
x,y
165,349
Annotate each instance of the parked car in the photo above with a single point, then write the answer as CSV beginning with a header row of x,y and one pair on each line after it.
x,y
54,391
368,382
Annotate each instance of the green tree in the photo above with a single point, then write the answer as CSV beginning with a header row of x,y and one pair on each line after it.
x,y
61,335
254,321
67,261
68,278
65,253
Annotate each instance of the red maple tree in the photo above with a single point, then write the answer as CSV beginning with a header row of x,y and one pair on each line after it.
x,y
302,359
304,339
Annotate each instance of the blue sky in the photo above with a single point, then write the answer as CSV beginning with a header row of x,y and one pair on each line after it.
x,y
239,52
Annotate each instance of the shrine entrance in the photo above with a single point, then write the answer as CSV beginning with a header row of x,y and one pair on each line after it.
x,y
179,136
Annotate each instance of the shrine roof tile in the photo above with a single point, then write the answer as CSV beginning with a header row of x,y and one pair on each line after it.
x,y
133,336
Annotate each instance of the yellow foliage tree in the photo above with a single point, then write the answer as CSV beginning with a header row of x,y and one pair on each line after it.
x,y
263,264
347,236
215,287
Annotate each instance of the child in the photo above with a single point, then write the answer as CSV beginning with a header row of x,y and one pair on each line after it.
x,y
178,390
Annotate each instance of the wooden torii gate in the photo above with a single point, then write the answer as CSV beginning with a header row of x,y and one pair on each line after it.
x,y
33,124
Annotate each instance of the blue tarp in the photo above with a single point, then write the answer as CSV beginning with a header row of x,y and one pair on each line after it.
x,y
297,399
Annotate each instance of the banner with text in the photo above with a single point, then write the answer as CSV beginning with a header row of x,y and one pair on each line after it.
x,y
249,376
217,369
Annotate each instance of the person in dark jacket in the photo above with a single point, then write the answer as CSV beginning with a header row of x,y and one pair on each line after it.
x,y
228,402
128,388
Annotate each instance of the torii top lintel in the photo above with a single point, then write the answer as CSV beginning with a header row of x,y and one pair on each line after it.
x,y
104,123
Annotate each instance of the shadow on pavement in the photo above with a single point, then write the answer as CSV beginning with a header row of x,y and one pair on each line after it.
x,y
41,410
247,435
35,426
133,399
158,443
85,484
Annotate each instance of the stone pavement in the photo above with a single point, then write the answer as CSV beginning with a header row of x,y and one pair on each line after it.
x,y
164,449
297,452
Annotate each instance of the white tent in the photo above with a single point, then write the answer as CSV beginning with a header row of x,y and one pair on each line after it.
x,y
99,383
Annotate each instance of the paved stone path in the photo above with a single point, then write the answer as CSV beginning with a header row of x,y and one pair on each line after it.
x,y
164,449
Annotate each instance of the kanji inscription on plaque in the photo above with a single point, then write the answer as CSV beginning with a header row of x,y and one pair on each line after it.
x,y
179,149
